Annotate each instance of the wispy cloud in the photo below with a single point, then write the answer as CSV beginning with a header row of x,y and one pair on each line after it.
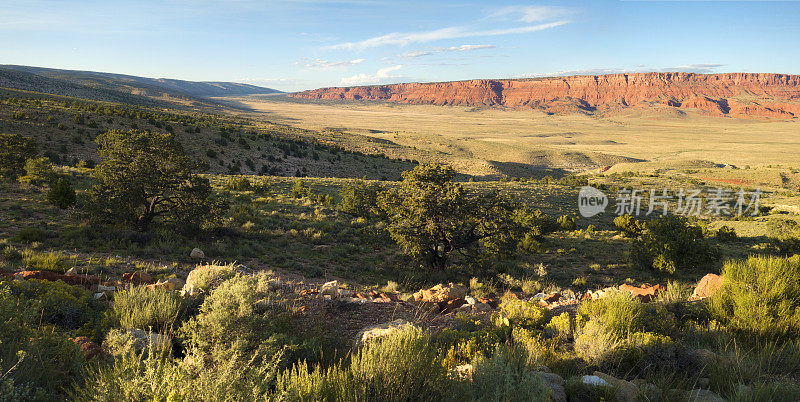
x,y
403,39
383,75
700,68
532,13
462,48
319,64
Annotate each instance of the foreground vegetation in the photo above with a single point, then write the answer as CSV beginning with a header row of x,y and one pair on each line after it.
x,y
208,286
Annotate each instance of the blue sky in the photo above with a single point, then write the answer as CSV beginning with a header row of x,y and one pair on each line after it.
x,y
303,44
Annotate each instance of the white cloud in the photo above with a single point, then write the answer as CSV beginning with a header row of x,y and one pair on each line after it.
x,y
532,13
700,68
420,53
319,64
462,48
403,39
381,76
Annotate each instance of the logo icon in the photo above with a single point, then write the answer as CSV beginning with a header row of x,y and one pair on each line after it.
x,y
591,201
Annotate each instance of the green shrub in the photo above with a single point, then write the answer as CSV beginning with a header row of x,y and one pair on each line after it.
x,y
61,194
784,235
54,302
207,277
622,314
241,315
46,261
670,244
566,222
760,296
400,367
14,152
239,184
32,235
300,189
505,377
358,198
629,226
560,326
153,377
38,171
143,308
726,233
515,312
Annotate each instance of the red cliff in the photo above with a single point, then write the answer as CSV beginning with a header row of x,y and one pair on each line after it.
x,y
734,94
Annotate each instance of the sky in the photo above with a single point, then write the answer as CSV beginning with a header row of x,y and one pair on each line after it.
x,y
304,44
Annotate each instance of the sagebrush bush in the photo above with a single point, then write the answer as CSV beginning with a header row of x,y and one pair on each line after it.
x,y
240,315
46,261
784,235
36,360
207,277
760,296
505,377
629,226
622,314
670,244
142,308
401,367
515,312
239,184
155,377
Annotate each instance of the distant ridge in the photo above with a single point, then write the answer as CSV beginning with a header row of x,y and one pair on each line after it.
x,y
119,87
735,94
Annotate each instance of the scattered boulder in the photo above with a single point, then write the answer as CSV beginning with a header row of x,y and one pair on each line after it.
x,y
449,306
146,339
381,330
441,293
704,395
89,349
169,285
321,247
490,301
556,385
137,278
75,280
552,298
645,293
595,381
330,289
707,286
197,254
626,390
72,271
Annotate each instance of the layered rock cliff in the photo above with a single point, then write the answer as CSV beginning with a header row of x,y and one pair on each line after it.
x,y
734,94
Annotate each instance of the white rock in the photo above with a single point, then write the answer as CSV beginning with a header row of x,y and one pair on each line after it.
x,y
72,271
103,288
594,380
197,254
330,289
470,300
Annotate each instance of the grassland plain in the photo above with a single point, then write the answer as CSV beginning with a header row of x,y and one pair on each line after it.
x,y
486,141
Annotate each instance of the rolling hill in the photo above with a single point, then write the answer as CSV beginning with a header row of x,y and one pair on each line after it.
x,y
120,87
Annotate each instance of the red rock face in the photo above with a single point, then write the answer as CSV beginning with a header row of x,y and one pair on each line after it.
x,y
734,94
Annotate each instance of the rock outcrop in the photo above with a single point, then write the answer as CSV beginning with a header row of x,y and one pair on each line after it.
x,y
747,95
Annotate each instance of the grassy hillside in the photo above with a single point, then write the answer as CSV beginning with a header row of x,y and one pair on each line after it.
x,y
65,129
